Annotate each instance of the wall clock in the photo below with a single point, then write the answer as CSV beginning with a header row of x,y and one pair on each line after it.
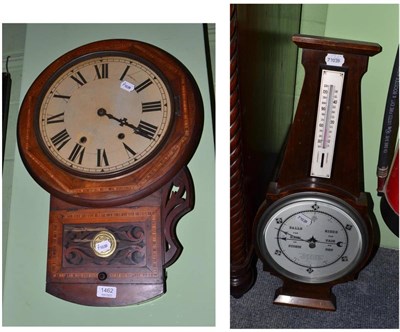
x,y
316,228
108,130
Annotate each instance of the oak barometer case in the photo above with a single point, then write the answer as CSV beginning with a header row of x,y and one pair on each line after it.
x,y
316,228
108,130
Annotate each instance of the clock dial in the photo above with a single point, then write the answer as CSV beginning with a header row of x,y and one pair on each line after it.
x,y
110,122
312,238
104,114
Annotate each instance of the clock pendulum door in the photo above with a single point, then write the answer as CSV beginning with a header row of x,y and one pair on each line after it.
x,y
116,256
316,228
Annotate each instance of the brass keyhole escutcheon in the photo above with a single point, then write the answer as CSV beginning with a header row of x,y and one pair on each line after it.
x,y
103,244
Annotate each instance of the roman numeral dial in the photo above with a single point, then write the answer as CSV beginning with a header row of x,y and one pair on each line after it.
x,y
105,115
56,118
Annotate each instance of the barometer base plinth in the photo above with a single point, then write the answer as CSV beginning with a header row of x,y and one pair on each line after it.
x,y
327,302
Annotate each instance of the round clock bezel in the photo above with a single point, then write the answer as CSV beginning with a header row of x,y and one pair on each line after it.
x,y
73,63
277,206
121,187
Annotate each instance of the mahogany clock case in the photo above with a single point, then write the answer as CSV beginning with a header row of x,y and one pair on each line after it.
x,y
128,184
112,228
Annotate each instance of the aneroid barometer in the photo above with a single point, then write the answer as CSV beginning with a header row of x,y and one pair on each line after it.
x,y
108,129
315,228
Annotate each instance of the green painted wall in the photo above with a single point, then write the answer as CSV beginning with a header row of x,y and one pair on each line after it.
x,y
190,297
372,23
313,20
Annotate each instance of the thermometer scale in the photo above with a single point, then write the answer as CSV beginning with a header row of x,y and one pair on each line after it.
x,y
327,122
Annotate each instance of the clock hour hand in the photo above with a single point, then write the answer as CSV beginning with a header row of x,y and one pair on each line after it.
x,y
144,129
122,122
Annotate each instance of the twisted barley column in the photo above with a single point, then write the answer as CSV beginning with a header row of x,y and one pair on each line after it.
x,y
239,248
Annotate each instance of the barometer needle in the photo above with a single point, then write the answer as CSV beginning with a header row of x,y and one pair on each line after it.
x,y
311,240
292,237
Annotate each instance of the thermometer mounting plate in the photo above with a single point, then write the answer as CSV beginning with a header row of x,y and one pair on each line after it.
x,y
330,95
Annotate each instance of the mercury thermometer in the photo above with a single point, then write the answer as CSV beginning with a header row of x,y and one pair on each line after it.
x,y
330,95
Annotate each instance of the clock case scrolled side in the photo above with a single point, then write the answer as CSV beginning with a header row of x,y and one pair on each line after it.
x,y
347,178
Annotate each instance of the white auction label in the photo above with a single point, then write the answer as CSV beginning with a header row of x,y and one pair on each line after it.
x,y
303,219
125,85
334,60
107,291
103,246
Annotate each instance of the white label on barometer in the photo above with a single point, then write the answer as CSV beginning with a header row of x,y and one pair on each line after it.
x,y
330,95
336,60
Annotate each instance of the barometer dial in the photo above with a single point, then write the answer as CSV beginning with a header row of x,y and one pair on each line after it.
x,y
312,238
